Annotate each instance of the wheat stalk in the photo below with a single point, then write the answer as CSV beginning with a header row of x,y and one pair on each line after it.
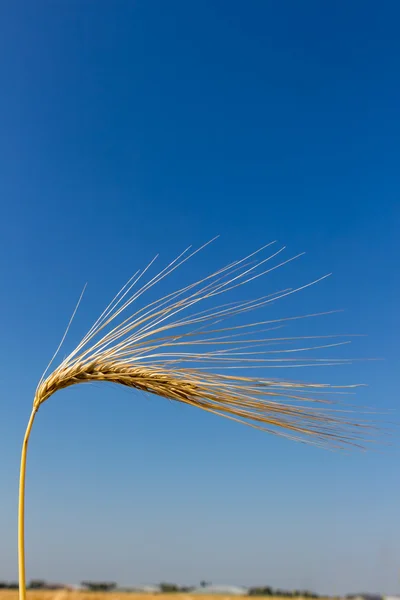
x,y
170,348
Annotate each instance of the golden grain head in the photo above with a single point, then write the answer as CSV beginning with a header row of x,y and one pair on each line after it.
x,y
189,347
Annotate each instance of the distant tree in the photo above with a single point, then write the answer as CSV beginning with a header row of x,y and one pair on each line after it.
x,y
3,585
168,588
13,585
261,591
99,586
37,584
204,584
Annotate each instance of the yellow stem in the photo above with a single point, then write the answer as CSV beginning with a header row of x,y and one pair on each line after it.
x,y
21,511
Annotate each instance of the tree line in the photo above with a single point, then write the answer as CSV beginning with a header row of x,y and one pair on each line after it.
x,y
164,587
35,584
269,591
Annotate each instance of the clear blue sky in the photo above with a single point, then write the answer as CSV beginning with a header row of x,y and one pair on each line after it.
x,y
133,127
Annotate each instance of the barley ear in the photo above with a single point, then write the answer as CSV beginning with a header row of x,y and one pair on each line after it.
x,y
170,348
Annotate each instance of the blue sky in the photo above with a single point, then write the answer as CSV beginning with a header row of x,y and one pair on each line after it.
x,y
130,128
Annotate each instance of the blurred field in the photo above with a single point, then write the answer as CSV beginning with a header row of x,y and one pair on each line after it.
x,y
80,595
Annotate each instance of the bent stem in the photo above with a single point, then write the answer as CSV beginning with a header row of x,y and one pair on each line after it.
x,y
21,511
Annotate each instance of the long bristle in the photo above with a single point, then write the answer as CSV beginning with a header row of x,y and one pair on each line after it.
x,y
178,348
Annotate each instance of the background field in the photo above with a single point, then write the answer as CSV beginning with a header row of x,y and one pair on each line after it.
x,y
78,595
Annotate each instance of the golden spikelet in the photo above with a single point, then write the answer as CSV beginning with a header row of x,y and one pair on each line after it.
x,y
173,348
